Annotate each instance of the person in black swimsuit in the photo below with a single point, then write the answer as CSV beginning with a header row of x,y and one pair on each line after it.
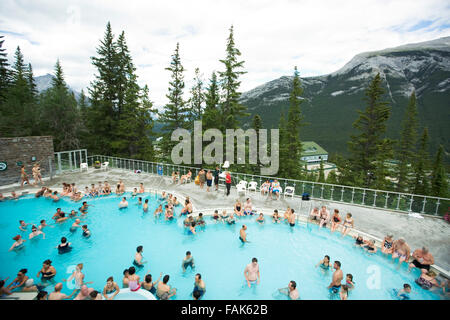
x,y
64,246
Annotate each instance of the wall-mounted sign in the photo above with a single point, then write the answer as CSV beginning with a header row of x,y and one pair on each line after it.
x,y
3,166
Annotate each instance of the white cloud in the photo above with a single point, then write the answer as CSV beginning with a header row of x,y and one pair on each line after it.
x,y
273,36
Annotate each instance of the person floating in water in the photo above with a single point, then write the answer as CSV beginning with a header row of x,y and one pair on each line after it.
x,y
242,234
188,261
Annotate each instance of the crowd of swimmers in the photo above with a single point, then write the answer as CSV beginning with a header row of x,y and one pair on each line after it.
x,y
420,258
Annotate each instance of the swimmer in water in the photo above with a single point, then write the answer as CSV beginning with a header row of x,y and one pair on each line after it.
x,y
139,201
75,225
19,242
324,263
251,273
123,203
242,234
78,276
188,261
158,210
23,225
138,257
260,218
64,246
111,288
86,231
35,232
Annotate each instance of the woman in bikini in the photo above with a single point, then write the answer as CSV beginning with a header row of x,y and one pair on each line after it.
x,y
324,263
348,224
47,272
401,250
388,241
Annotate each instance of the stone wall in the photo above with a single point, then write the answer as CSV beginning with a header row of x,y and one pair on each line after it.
x,y
22,149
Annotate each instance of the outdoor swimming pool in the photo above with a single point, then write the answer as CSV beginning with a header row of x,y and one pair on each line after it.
x,y
283,253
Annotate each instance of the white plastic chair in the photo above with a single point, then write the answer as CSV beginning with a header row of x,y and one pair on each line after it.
x,y
252,186
104,165
243,183
241,189
83,166
289,191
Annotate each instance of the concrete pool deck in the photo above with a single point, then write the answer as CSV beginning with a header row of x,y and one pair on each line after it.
x,y
432,232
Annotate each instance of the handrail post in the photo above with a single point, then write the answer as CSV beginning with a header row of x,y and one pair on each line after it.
x,y
374,199
424,202
437,207
353,194
387,197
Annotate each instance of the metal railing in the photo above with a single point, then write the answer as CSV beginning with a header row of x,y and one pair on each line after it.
x,y
389,200
70,160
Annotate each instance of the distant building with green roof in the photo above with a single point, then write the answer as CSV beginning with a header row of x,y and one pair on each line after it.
x,y
313,153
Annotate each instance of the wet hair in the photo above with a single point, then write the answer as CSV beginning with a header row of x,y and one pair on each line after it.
x,y
63,240
132,270
140,199
349,275
24,271
199,275
327,256
193,224
41,295
139,249
293,284
188,253
84,202
146,200
254,260
338,263
94,294
336,211
110,279
148,278
20,221
216,211
84,226
48,261
349,214
276,211
292,210
125,271
33,227
42,221
166,278
200,214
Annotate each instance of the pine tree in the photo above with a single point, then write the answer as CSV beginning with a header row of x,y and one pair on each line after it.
x,y
369,149
439,183
5,74
294,123
102,113
283,148
211,115
174,113
421,166
231,109
321,172
332,178
19,106
407,146
197,99
60,115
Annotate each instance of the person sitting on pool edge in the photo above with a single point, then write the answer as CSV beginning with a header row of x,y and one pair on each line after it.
x,y
423,259
138,257
188,261
216,216
337,278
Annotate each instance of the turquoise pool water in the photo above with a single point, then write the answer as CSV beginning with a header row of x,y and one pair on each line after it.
x,y
283,253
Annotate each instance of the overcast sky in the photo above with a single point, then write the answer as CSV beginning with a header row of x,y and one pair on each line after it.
x,y
273,36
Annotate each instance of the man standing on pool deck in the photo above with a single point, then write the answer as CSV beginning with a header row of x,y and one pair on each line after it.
x,y
338,275
228,182
242,234
251,272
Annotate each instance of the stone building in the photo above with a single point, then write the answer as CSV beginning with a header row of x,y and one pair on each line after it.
x,y
27,151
